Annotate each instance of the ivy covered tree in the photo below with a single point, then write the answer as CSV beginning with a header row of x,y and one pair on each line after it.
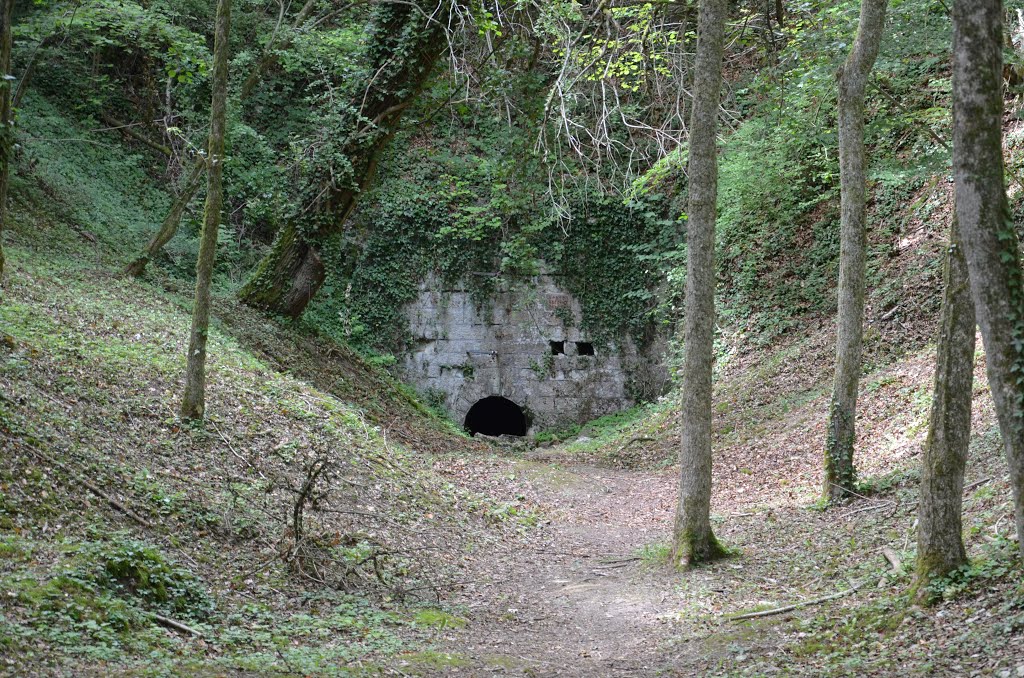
x,y
404,43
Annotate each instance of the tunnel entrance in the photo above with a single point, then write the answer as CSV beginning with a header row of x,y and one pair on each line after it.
x,y
495,416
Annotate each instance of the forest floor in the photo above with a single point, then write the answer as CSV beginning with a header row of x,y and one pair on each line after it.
x,y
588,592
547,561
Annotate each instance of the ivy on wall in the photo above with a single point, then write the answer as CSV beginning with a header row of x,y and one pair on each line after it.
x,y
610,260
463,208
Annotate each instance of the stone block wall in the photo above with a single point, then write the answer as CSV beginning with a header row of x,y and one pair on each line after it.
x,y
470,353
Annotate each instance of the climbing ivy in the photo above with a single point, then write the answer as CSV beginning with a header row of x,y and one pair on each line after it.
x,y
609,259
462,207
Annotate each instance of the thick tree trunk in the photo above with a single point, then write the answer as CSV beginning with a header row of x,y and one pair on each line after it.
x,y
6,123
403,47
193,403
840,476
171,222
289,276
692,539
940,544
990,240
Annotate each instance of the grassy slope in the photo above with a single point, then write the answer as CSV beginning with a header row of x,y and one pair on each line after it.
x,y
203,529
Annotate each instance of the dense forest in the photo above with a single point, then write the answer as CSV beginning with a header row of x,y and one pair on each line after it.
x,y
562,338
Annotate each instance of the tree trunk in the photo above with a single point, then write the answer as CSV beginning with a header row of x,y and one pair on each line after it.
x,y
840,476
989,238
940,544
289,276
6,122
193,403
403,47
171,222
692,539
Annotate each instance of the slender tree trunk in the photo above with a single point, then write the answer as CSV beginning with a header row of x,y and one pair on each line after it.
x,y
940,544
840,476
171,222
403,47
193,403
6,121
692,539
990,240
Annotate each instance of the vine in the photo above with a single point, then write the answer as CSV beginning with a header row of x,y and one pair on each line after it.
x,y
467,217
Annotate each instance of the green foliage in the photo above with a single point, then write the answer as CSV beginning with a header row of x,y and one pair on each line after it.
x,y
778,235
998,562
604,433
113,34
97,601
627,58
460,208
101,187
778,248
610,257
438,619
133,568
655,555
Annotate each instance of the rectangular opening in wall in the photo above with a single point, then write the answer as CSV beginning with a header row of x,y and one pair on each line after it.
x,y
557,347
584,348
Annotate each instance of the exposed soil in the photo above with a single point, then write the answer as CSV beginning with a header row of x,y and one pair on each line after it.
x,y
586,594
575,598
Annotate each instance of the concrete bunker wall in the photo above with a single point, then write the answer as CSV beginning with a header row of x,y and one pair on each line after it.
x,y
526,346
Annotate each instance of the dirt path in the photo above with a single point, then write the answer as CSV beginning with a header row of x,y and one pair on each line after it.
x,y
574,597
577,598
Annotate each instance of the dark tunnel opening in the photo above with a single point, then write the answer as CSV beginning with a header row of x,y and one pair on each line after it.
x,y
495,416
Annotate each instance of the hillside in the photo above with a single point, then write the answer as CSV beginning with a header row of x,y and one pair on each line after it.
x,y
302,524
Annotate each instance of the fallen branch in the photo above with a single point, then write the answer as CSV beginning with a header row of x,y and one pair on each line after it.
x,y
614,566
894,560
617,559
117,125
83,482
794,606
890,313
176,625
978,483
873,507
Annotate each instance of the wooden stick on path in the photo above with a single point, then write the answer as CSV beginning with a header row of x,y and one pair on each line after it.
x,y
794,606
